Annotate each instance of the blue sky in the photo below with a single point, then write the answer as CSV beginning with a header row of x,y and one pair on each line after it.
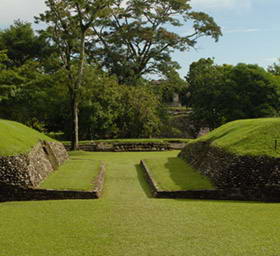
x,y
251,29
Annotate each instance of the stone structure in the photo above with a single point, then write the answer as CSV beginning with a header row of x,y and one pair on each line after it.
x,y
28,170
175,102
131,146
228,170
266,194
19,193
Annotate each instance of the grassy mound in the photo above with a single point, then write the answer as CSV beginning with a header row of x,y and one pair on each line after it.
x,y
254,137
172,174
16,138
75,174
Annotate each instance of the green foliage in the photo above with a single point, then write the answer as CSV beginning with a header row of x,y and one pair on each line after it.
x,y
125,219
22,44
17,138
274,68
74,174
10,79
101,105
170,84
173,174
35,97
138,37
140,116
107,109
110,110
69,25
219,94
247,137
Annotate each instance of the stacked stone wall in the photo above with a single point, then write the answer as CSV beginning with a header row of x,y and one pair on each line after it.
x,y
19,193
130,147
28,170
228,170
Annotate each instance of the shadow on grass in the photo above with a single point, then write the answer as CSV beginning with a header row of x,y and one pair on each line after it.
x,y
143,183
174,167
185,177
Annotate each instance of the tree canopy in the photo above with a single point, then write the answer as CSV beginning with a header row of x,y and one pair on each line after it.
x,y
222,93
138,36
22,44
69,23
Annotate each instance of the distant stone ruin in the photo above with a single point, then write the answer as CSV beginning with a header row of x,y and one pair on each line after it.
x,y
28,170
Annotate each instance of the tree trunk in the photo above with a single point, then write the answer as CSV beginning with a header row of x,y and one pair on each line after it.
x,y
76,96
75,122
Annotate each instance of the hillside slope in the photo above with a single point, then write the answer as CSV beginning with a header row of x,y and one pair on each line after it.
x,y
254,137
239,154
16,138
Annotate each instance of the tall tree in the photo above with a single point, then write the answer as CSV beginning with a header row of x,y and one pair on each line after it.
x,y
22,44
69,25
139,36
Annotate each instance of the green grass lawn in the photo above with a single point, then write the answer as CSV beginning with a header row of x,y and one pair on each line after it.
x,y
174,174
16,138
126,221
247,137
74,174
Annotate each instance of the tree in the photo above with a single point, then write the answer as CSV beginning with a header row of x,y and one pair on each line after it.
x,y
69,25
10,79
140,115
171,84
110,110
23,93
274,68
22,44
138,37
223,93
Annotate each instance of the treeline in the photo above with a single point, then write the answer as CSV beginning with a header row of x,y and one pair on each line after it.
x,y
33,92
223,93
95,66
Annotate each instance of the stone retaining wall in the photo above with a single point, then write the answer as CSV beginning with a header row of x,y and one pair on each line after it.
x,y
19,193
267,194
228,170
28,170
130,147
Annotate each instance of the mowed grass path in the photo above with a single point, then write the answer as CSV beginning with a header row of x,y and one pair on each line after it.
x,y
127,222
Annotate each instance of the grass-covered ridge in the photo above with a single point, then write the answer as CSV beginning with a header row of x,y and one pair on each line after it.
x,y
16,138
173,173
247,137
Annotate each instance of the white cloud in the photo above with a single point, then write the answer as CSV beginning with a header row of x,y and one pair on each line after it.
x,y
19,9
243,30
270,60
221,4
250,30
